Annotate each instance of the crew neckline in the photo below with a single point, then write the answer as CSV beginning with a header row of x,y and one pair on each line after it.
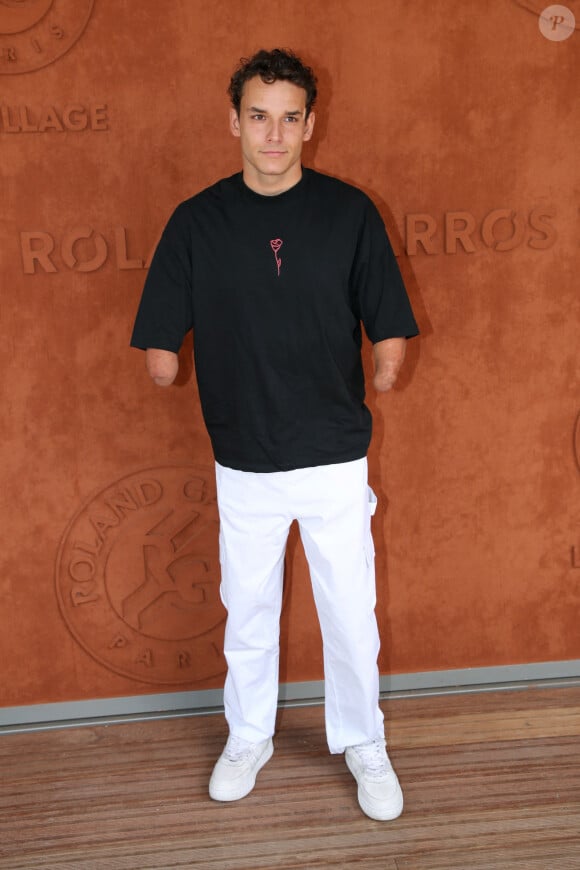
x,y
284,195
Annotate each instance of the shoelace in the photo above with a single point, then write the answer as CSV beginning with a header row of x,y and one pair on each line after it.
x,y
374,757
237,748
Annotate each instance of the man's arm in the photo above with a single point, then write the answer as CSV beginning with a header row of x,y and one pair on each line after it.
x,y
162,365
388,356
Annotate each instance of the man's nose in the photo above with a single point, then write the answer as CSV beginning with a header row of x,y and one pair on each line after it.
x,y
275,131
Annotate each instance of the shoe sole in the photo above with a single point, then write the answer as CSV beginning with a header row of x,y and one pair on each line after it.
x,y
224,796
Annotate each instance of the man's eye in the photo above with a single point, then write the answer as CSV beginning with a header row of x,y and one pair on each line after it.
x,y
292,118
258,117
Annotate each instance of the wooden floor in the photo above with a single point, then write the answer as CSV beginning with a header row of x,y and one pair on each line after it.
x,y
491,781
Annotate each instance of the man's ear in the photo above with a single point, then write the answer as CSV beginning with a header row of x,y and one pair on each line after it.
x,y
309,127
234,123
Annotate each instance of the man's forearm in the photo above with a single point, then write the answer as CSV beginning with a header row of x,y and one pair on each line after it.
x,y
388,357
162,366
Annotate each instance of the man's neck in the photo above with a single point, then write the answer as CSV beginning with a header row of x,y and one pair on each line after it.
x,y
270,185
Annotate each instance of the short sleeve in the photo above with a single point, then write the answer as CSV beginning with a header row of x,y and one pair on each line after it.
x,y
165,313
382,301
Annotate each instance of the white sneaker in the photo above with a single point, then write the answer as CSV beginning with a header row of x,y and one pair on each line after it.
x,y
379,792
234,774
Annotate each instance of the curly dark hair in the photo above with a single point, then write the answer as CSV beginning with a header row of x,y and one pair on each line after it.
x,y
271,66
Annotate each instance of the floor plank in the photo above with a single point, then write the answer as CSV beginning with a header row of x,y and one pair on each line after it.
x,y
491,782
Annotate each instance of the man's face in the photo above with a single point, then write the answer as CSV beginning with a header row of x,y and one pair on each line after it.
x,y
272,127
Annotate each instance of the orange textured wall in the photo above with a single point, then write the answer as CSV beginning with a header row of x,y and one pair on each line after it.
x,y
460,119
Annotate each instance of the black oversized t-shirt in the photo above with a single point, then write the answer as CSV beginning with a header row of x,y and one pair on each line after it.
x,y
275,289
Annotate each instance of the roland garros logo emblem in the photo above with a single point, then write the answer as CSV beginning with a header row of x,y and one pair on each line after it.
x,y
34,33
137,577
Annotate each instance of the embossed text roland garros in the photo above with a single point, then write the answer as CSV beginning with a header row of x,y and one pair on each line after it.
x,y
87,248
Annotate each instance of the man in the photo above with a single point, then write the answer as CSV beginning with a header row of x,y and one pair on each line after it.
x,y
274,269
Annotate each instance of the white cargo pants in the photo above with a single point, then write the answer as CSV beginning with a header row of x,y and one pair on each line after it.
x,y
333,506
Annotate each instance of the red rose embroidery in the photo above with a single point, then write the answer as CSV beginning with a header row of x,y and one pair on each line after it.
x,y
276,244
